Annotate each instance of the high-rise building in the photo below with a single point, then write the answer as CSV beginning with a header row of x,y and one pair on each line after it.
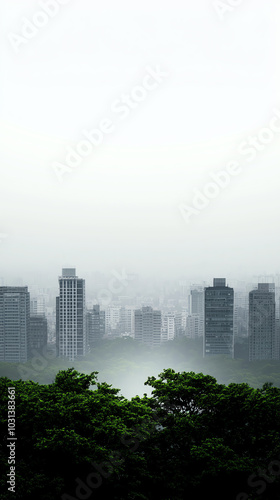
x,y
38,305
262,325
95,321
168,327
148,326
71,316
196,308
38,332
14,324
126,325
277,339
193,326
180,324
241,313
218,319
112,320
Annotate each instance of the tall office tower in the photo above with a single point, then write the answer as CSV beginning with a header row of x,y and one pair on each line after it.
x,y
112,320
197,306
38,332
126,324
218,335
262,324
241,313
71,316
180,324
38,305
195,327
14,324
57,325
148,326
277,339
168,327
95,321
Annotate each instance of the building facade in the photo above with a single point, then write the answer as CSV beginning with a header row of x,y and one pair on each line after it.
x,y
193,326
168,327
38,332
196,307
148,326
71,316
95,325
112,320
218,319
38,305
262,323
14,324
126,324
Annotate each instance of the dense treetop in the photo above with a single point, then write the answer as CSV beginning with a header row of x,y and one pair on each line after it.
x,y
78,438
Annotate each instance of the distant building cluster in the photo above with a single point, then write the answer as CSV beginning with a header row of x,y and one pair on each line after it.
x,y
217,314
20,331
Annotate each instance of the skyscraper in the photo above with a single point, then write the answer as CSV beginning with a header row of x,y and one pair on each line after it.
x,y
14,324
148,326
193,326
168,327
218,335
38,332
95,321
197,307
71,316
126,324
37,305
262,324
112,320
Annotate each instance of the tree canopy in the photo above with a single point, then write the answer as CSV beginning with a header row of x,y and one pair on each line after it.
x,y
80,439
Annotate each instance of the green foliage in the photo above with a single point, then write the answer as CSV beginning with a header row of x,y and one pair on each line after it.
x,y
72,381
79,438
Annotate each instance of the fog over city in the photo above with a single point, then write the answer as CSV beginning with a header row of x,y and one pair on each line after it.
x,y
139,136
139,249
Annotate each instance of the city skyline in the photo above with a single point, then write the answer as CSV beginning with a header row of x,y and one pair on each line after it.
x,y
75,323
139,249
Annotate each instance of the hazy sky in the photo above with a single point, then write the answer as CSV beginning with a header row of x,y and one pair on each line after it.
x,y
181,90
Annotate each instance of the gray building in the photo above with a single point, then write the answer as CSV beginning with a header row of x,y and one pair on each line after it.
x,y
218,319
71,316
196,307
148,326
38,332
95,325
262,323
14,324
126,324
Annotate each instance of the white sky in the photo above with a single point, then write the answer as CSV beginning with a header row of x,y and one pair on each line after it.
x,y
119,207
